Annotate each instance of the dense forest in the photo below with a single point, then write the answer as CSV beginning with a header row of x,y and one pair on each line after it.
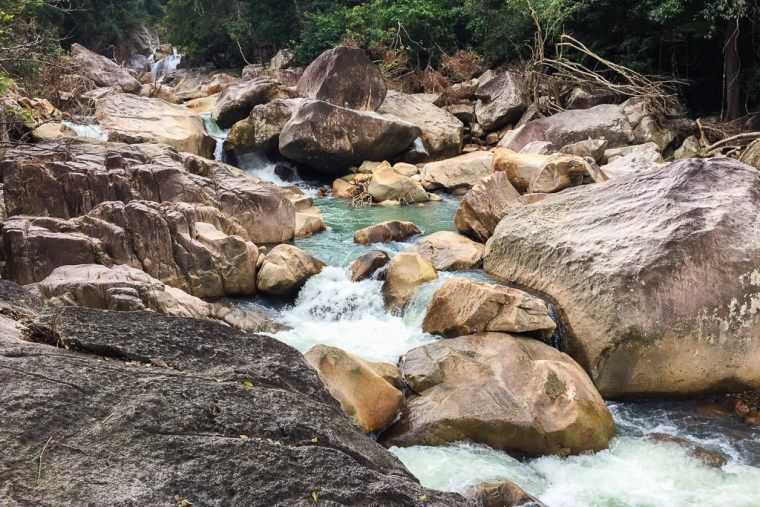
x,y
713,46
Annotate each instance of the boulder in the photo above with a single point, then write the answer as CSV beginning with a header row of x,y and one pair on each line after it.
x,y
405,273
133,119
345,188
501,100
691,148
388,185
462,307
406,169
751,155
539,148
457,173
591,148
442,132
631,160
601,122
368,264
198,84
584,99
655,273
542,173
449,251
143,409
102,71
483,207
514,394
344,77
182,245
283,59
384,232
708,457
502,494
285,270
331,139
237,100
46,180
364,395
261,130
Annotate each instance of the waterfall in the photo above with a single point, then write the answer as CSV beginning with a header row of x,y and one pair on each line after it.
x,y
217,133
165,66
93,131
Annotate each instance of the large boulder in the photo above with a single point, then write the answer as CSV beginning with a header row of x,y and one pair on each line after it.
x,y
462,307
405,273
442,132
544,173
102,71
261,130
368,264
383,232
285,270
237,100
457,173
133,119
47,179
655,273
331,139
511,393
358,385
119,408
194,84
501,101
605,121
182,245
631,159
387,184
483,207
345,77
449,251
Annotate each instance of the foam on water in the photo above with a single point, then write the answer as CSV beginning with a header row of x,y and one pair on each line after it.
x,y
332,310
165,66
92,131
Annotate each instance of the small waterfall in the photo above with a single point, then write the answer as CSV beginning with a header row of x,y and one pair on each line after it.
x,y
93,131
165,66
217,133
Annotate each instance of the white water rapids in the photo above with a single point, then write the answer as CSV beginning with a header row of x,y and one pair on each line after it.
x,y
634,472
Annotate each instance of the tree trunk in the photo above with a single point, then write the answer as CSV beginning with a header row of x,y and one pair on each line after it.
x,y
731,75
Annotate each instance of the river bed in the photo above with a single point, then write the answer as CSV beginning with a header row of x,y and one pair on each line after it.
x,y
635,471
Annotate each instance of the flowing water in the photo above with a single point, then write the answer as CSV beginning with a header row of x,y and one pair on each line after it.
x,y
635,471
86,131
165,66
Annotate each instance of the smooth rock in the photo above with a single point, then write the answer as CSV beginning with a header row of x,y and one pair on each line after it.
x,y
102,71
384,232
462,307
502,494
285,270
460,172
237,100
363,394
483,207
344,77
406,272
261,130
388,185
133,119
441,132
368,264
331,139
450,251
656,274
510,393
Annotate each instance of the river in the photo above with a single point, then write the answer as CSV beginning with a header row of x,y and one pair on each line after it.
x,y
635,471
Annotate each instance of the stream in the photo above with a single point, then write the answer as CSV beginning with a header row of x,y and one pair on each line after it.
x,y
635,471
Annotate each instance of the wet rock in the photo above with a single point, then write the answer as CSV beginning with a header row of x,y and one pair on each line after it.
x,y
363,394
261,130
331,139
344,77
483,207
648,269
388,185
710,458
462,307
237,100
393,230
501,100
406,272
449,251
455,173
166,415
368,264
133,119
46,180
502,494
102,71
514,394
442,132
309,219
345,189
285,270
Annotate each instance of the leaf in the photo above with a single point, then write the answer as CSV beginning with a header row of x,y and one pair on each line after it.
x,y
315,440
315,496
247,384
